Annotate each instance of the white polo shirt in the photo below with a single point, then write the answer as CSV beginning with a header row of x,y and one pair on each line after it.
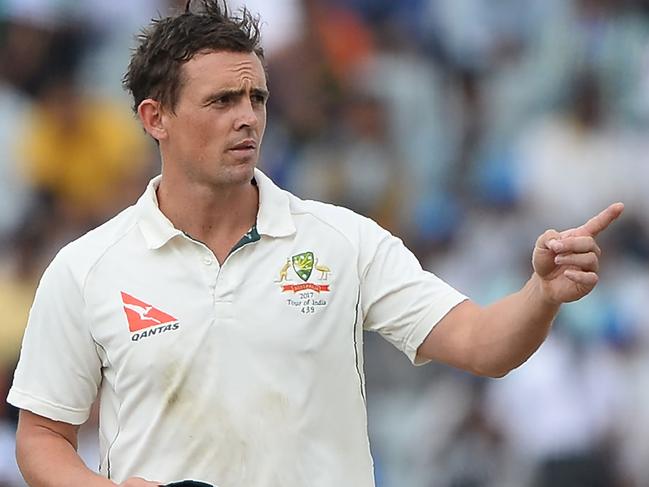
x,y
248,374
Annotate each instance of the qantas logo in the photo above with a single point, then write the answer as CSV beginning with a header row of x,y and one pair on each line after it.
x,y
145,320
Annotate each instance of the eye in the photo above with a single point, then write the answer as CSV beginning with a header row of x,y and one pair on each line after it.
x,y
222,100
258,99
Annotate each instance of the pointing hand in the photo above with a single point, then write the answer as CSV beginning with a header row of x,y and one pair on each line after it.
x,y
567,262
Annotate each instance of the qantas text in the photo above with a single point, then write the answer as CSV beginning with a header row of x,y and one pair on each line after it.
x,y
154,331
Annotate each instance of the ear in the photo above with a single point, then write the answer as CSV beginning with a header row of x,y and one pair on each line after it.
x,y
151,115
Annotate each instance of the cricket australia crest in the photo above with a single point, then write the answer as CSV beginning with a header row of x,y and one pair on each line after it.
x,y
303,269
303,265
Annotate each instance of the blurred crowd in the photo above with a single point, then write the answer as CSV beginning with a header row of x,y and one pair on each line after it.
x,y
466,127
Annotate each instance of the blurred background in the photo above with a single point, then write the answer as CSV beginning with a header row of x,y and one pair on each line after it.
x,y
466,127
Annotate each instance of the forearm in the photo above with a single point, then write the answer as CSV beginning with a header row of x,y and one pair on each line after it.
x,y
494,339
506,333
47,459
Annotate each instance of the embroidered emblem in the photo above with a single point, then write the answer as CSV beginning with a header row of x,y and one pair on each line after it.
x,y
283,272
303,265
323,269
307,296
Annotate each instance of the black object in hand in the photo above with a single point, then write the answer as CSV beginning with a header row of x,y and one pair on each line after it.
x,y
188,483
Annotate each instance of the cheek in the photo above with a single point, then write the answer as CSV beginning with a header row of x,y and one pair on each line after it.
x,y
262,122
206,131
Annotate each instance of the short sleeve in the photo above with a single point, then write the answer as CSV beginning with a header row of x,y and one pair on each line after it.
x,y
59,370
399,299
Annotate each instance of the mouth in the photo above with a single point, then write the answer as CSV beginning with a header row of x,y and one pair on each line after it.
x,y
247,146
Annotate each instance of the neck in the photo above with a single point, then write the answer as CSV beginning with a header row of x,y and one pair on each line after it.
x,y
218,216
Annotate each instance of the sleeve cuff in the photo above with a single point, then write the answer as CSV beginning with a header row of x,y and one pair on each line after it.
x,y
47,409
423,328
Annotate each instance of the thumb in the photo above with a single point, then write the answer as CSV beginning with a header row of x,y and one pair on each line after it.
x,y
543,256
545,241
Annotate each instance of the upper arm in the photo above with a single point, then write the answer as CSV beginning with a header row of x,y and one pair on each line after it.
x,y
450,341
59,371
399,299
31,425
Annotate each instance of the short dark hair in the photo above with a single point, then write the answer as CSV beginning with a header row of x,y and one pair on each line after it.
x,y
155,70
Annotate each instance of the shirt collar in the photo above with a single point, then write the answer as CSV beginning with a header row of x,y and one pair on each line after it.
x,y
154,225
273,217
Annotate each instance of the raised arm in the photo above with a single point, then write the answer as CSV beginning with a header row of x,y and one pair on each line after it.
x,y
495,339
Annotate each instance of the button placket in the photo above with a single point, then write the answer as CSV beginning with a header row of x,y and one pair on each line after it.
x,y
210,270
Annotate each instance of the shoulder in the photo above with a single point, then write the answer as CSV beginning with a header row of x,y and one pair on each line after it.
x,y
354,227
78,257
350,233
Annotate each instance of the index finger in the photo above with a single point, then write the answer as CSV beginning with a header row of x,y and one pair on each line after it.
x,y
601,221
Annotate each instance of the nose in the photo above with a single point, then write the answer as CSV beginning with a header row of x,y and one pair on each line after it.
x,y
246,115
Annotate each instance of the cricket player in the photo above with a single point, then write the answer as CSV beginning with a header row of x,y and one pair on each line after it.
x,y
220,319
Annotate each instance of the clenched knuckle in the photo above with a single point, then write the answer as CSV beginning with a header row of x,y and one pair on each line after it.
x,y
550,234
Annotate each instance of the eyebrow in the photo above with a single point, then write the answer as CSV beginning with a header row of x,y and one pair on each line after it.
x,y
236,93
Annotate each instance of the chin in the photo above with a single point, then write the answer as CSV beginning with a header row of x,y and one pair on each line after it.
x,y
234,175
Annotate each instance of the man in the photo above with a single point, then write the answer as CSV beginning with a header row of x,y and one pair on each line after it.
x,y
221,318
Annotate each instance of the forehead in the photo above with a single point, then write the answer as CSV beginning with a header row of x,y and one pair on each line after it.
x,y
224,69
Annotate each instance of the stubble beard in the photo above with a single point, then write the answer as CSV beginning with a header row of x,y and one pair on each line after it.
x,y
230,175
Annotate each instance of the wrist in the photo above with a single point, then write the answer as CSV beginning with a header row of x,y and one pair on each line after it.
x,y
542,293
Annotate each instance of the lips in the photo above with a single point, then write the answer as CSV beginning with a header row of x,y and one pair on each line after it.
x,y
245,145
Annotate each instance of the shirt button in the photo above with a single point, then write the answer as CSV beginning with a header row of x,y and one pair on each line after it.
x,y
208,261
